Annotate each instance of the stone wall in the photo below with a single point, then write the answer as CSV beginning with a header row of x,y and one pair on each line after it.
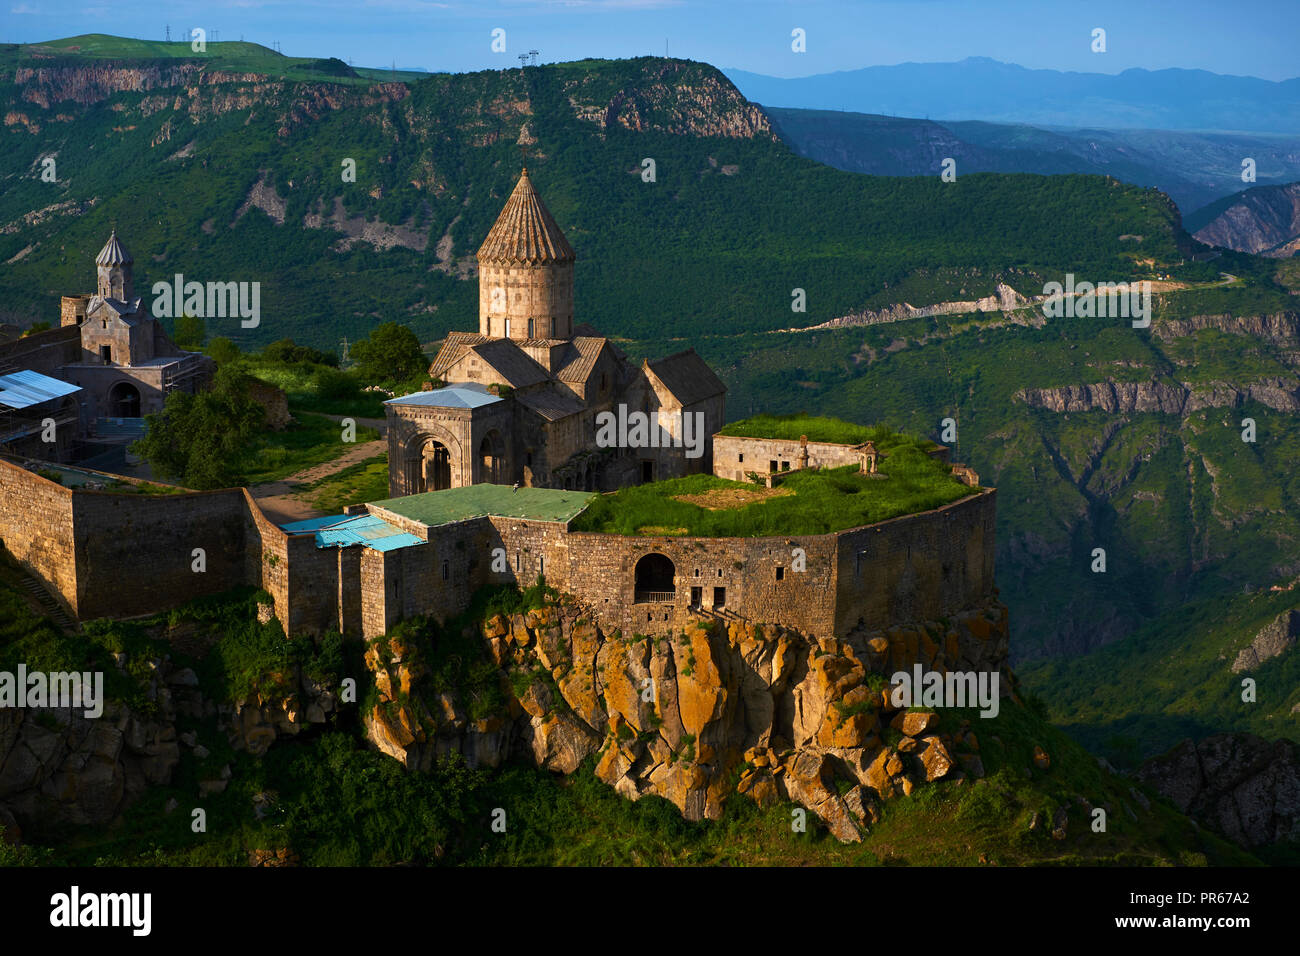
x,y
734,456
36,527
134,553
916,568
44,352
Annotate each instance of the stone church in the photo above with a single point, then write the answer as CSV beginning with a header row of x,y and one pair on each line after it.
x,y
518,400
128,363
107,365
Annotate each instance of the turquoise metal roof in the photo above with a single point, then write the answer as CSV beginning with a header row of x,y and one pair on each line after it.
x,y
25,389
313,524
340,531
467,395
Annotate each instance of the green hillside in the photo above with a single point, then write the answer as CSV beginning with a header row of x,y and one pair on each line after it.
x,y
739,222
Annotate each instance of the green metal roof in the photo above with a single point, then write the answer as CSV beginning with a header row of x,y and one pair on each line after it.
x,y
476,501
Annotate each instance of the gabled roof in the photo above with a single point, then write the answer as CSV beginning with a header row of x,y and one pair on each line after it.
x,y
687,376
550,405
452,350
25,389
128,312
467,395
113,253
511,362
525,232
578,361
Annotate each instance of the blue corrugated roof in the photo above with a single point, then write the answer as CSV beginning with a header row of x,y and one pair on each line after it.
x,y
369,530
313,524
466,395
340,531
25,389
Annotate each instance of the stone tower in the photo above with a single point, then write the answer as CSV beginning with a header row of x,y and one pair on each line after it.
x,y
113,265
525,272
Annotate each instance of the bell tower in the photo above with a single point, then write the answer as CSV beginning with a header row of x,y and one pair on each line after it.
x,y
525,272
113,266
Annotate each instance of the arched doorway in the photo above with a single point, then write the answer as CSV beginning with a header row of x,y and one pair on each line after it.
x,y
654,579
435,475
123,401
491,462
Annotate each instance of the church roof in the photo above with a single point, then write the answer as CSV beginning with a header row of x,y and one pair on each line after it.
x,y
113,253
578,362
128,312
512,363
525,232
453,396
452,350
688,377
551,405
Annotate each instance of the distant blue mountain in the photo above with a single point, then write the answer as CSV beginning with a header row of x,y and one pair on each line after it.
x,y
979,88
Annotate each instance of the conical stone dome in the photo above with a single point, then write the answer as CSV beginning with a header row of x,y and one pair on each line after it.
x,y
525,232
113,253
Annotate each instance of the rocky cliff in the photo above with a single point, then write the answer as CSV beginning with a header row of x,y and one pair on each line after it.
x,y
1245,787
1166,397
1265,219
724,707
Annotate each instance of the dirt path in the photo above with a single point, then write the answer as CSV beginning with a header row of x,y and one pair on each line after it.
x,y
282,501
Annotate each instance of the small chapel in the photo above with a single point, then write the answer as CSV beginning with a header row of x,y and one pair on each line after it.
x,y
517,401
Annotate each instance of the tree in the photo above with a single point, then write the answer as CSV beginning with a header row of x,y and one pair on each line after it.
x,y
189,332
222,350
204,441
390,356
289,352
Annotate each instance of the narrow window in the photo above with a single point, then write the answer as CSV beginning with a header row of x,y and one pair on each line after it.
x,y
741,458
780,574
446,571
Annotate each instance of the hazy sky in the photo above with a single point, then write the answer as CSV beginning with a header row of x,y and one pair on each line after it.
x,y
1245,37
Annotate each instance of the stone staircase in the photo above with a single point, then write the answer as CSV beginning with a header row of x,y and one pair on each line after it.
x,y
52,608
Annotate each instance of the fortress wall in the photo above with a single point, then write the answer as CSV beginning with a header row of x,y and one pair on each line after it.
x,y
916,568
44,352
600,569
266,552
314,583
134,553
36,527
532,548
436,579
